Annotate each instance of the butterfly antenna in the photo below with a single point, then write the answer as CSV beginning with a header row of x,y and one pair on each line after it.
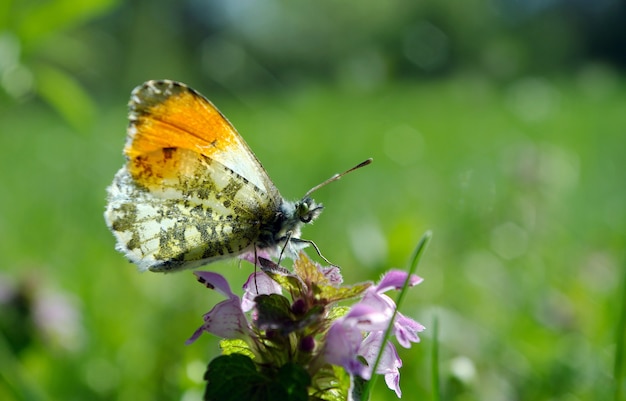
x,y
338,176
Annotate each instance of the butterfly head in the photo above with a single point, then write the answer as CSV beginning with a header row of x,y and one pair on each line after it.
x,y
307,210
294,215
288,223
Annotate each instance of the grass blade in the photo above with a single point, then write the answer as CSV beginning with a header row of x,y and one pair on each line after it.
x,y
417,255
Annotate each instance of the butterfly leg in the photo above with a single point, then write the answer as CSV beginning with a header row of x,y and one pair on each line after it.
x,y
309,242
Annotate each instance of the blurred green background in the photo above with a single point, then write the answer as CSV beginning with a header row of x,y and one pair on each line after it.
x,y
499,125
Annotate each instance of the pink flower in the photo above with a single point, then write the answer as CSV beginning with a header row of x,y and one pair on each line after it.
x,y
226,319
307,326
258,283
359,333
390,362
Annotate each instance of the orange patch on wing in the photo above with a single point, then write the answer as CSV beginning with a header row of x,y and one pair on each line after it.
x,y
182,120
166,168
153,169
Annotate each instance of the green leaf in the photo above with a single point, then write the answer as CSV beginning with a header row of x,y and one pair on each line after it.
x,y
66,95
38,20
312,276
337,312
274,312
332,383
235,346
294,381
288,282
358,390
235,377
334,294
308,271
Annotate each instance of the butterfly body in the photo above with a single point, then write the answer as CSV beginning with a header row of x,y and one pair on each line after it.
x,y
191,191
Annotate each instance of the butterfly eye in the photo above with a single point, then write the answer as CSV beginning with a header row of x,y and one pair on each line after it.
x,y
308,210
303,209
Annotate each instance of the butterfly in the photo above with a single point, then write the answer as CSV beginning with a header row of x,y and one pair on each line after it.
x,y
192,192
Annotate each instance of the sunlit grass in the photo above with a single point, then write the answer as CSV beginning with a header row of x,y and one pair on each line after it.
x,y
522,185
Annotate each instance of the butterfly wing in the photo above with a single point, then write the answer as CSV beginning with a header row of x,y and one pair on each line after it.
x,y
191,191
189,220
168,114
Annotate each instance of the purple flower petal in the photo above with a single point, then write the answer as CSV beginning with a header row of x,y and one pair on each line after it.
x,y
214,281
390,362
394,280
381,306
258,283
366,317
225,320
341,346
333,274
372,315
393,382
249,256
196,334
406,330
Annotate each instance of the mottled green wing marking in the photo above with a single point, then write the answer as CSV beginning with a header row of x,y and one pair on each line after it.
x,y
201,213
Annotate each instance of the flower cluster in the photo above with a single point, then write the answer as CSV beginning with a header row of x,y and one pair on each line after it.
x,y
304,346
